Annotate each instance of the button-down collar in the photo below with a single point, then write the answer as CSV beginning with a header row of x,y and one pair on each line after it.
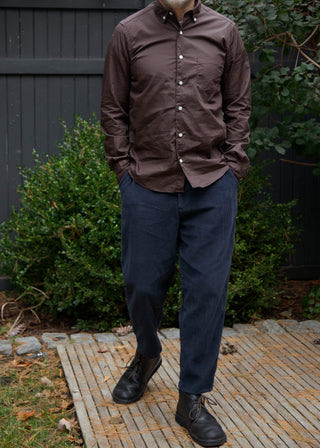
x,y
165,13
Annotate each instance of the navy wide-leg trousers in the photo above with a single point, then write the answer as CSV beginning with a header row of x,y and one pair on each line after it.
x,y
199,225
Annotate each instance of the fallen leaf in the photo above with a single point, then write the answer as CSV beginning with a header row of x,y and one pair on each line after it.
x,y
20,363
15,331
46,393
116,420
102,350
106,379
120,347
122,331
66,404
22,402
45,381
64,424
228,349
25,415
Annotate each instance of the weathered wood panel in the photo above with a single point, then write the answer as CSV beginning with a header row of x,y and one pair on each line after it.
x,y
266,394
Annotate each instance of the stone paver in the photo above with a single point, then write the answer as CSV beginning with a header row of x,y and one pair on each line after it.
x,y
291,325
270,326
105,337
5,348
245,328
311,325
28,344
82,338
49,341
229,332
170,333
52,339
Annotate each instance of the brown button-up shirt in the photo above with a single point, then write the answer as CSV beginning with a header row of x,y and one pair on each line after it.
x,y
176,98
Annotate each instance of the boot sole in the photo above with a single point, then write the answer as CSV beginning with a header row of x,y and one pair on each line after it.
x,y
119,400
206,443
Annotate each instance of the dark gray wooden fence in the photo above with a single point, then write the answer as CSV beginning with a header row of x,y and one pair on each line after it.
x,y
51,65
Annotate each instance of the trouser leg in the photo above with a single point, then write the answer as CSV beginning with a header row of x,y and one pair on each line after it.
x,y
149,241
206,243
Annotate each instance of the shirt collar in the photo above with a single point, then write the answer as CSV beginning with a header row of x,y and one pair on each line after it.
x,y
164,12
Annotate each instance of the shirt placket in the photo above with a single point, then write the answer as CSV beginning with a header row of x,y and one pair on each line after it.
x,y
180,82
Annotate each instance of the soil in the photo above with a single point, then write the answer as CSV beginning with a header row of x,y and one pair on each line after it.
x,y
291,294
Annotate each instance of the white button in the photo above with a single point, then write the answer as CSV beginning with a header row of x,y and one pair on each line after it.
x,y
181,32
180,135
180,83
180,107
180,57
180,160
195,19
171,13
164,17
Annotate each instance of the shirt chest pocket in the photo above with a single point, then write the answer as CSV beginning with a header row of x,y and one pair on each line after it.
x,y
209,79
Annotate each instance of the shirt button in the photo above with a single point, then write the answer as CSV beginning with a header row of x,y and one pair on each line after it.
x,y
180,160
180,108
195,19
180,57
171,13
180,134
180,83
164,18
181,32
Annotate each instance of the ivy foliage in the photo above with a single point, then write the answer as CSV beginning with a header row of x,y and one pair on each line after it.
x,y
65,240
282,38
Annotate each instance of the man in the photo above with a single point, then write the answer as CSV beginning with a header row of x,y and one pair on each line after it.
x,y
174,111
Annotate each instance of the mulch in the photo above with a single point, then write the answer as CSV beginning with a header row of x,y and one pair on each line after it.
x,y
291,294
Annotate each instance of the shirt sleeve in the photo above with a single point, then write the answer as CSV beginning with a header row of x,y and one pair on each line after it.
x,y
115,102
236,105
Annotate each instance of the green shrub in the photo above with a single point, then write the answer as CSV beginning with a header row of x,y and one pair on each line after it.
x,y
311,304
264,240
67,232
65,240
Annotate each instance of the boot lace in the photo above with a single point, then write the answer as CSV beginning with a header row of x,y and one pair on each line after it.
x,y
195,412
133,364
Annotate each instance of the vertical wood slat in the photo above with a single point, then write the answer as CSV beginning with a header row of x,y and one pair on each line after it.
x,y
40,33
3,49
68,24
54,34
13,33
82,34
4,178
26,34
54,113
41,118
95,38
27,126
14,137
77,398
